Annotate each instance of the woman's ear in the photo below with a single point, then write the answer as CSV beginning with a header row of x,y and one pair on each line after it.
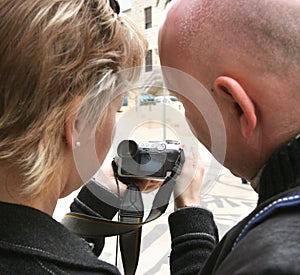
x,y
230,89
69,130
72,123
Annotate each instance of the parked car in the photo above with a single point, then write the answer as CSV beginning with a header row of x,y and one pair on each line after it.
x,y
147,99
166,99
170,100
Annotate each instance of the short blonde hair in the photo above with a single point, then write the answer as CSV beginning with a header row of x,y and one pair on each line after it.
x,y
52,51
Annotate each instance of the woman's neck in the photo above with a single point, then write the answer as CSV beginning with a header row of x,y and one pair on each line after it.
x,y
10,191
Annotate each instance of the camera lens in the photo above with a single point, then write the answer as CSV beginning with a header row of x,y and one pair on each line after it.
x,y
127,148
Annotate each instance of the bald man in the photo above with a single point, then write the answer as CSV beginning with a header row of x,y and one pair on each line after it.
x,y
246,55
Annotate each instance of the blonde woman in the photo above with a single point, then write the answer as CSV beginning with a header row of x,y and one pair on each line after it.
x,y
59,89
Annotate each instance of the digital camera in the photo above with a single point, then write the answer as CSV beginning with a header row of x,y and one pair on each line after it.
x,y
147,160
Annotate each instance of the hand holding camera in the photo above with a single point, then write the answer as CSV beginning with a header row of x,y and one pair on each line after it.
x,y
188,183
147,164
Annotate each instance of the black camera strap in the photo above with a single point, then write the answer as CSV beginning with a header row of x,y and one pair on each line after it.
x,y
132,210
87,225
87,222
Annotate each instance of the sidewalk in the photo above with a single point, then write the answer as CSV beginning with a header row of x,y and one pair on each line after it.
x,y
222,193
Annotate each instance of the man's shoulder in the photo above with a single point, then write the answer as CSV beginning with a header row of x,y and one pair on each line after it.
x,y
270,247
266,235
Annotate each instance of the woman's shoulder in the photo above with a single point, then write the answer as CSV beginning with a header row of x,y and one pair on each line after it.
x,y
31,239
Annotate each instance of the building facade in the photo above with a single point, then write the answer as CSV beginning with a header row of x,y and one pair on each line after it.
x,y
148,15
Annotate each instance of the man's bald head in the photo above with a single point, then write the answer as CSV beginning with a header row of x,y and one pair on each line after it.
x,y
257,30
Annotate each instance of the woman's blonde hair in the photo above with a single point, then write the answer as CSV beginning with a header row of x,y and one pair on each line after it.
x,y
52,51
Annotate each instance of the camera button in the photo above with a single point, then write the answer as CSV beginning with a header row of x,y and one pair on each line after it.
x,y
161,147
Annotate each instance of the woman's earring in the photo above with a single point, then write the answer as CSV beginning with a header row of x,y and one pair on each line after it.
x,y
77,144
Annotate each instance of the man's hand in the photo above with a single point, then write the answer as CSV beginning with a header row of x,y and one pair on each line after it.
x,y
188,183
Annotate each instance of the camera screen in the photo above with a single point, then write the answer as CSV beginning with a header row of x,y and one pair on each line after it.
x,y
150,165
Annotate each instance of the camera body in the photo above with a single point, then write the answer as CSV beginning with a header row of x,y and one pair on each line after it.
x,y
147,160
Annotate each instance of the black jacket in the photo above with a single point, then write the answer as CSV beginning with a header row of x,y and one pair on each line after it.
x,y
265,242
31,242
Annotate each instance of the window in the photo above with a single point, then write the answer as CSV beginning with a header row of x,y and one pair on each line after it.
x,y
148,18
149,61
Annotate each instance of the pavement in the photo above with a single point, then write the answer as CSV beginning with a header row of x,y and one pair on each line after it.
x,y
222,193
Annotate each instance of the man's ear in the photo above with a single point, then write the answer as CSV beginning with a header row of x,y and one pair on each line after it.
x,y
244,107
